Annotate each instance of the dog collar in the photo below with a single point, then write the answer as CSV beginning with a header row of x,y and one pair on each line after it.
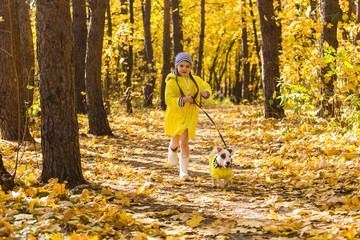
x,y
215,163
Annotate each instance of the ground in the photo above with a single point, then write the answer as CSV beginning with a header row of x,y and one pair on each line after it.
x,y
293,179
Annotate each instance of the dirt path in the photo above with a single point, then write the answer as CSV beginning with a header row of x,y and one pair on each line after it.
x,y
238,212
293,179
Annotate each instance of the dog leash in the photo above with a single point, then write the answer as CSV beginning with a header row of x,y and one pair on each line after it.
x,y
222,139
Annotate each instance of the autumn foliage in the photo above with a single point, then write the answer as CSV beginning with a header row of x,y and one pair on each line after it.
x,y
295,178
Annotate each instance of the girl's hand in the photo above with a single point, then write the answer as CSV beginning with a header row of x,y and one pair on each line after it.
x,y
188,99
205,94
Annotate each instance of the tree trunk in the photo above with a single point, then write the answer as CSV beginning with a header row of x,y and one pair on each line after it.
x,y
107,80
166,51
27,52
130,61
121,60
59,127
245,64
177,27
357,37
98,123
238,85
150,81
80,35
213,66
223,70
256,78
13,115
201,39
270,59
255,82
331,14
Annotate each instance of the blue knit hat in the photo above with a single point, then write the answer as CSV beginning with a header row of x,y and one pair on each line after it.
x,y
182,56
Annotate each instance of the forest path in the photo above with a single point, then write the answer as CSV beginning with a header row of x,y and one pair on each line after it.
x,y
194,209
296,178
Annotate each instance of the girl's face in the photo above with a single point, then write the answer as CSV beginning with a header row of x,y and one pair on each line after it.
x,y
184,68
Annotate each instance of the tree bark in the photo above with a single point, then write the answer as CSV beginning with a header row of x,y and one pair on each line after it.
x,y
201,39
238,85
98,123
119,68
270,59
130,62
166,51
223,70
331,14
27,52
80,35
151,79
245,65
177,27
13,115
357,37
213,66
107,80
255,77
59,127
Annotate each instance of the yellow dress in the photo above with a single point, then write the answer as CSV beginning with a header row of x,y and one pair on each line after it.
x,y
177,118
219,172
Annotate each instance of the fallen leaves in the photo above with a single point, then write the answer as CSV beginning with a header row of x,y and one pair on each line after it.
x,y
292,179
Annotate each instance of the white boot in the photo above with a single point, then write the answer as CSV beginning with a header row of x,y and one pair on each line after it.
x,y
173,157
184,164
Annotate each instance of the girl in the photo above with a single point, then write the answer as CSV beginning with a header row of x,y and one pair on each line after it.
x,y
181,113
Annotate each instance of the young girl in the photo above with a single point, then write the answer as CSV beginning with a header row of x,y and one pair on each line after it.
x,y
181,113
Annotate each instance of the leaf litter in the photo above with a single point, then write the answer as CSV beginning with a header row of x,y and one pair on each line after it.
x,y
293,179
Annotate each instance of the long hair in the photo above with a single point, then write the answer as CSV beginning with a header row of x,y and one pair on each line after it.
x,y
192,78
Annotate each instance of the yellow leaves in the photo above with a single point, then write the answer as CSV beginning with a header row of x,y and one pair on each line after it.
x,y
329,25
290,174
123,219
194,222
5,228
139,236
75,236
56,237
33,202
7,151
106,191
269,180
168,212
121,198
304,127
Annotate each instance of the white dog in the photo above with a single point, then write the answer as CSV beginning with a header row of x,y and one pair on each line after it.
x,y
220,166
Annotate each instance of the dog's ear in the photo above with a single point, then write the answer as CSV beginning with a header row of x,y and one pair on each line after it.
x,y
230,151
219,149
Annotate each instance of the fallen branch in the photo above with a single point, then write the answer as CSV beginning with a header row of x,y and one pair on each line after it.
x,y
6,180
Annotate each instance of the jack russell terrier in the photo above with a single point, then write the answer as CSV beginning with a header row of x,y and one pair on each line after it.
x,y
220,167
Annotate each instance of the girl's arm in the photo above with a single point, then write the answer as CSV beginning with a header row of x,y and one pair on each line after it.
x,y
205,89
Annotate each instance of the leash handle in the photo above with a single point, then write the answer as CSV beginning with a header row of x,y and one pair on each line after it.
x,y
222,139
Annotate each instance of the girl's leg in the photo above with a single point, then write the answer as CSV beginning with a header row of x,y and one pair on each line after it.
x,y
184,161
174,143
184,144
173,157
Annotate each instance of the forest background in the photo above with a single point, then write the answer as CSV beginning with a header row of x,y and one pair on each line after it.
x,y
86,79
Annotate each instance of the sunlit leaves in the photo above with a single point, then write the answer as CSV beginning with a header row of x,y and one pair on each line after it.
x,y
194,222
289,175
